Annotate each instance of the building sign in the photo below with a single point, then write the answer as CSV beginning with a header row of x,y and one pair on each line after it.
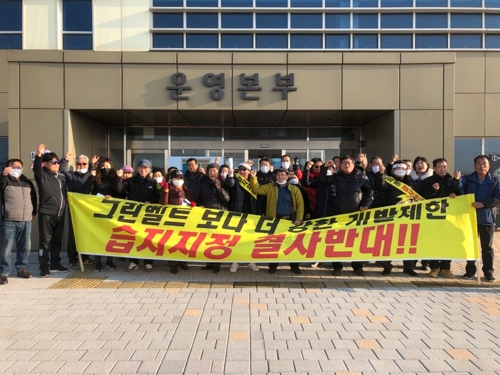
x,y
495,165
249,86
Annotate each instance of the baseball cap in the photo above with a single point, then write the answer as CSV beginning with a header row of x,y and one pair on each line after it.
x,y
144,163
127,169
176,174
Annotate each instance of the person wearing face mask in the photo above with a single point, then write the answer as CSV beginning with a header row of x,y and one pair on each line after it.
x,y
294,180
321,194
286,163
265,176
376,165
284,201
18,204
224,170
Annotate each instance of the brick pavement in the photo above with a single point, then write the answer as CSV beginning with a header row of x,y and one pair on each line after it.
x,y
249,323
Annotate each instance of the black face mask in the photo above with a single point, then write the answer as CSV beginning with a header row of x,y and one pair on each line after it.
x,y
105,171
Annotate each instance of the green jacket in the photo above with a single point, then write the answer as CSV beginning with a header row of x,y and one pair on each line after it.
x,y
271,190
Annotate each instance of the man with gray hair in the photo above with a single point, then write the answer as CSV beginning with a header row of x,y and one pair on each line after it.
x,y
74,182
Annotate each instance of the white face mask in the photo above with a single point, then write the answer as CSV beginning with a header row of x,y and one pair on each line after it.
x,y
375,169
82,170
223,174
177,183
285,164
400,172
408,172
16,173
159,179
329,172
264,169
294,181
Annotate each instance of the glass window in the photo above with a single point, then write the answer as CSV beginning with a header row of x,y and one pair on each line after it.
x,y
306,3
466,3
361,41
466,40
431,3
431,41
77,41
167,41
306,21
334,134
271,20
196,134
337,21
272,40
202,20
396,41
365,3
202,40
338,3
431,20
396,3
77,15
271,3
492,3
11,41
492,149
307,41
342,41
465,152
237,20
365,21
237,3
11,15
466,21
4,150
492,41
202,3
396,21
492,21
237,40
168,3
265,133
168,21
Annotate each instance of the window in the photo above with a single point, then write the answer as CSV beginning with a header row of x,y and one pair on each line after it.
x,y
202,40
492,21
396,21
168,3
237,3
271,20
77,24
202,20
492,41
492,3
11,24
432,20
365,3
272,41
466,40
365,21
337,21
396,3
237,20
438,41
306,21
469,149
431,3
168,21
237,40
466,21
337,3
202,3
492,148
466,3
167,41
403,41
307,41
361,41
306,3
335,41
4,150
271,3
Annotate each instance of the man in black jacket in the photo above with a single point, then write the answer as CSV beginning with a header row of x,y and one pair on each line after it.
x,y
53,196
193,176
18,207
353,193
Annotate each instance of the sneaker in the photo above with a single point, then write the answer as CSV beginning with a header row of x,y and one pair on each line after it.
x,y
110,265
98,266
234,267
490,278
132,267
434,272
469,276
4,280
88,262
73,265
448,274
425,266
24,273
253,267
45,274
148,268
314,265
58,268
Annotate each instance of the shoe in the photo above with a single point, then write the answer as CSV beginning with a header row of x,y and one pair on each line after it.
x,y
24,274
387,271
296,271
425,266
4,280
45,274
98,266
490,278
253,267
271,271
359,272
434,272
208,267
110,265
58,268
234,267
184,266
132,267
216,269
469,276
314,265
410,272
336,272
88,262
173,269
448,274
148,268
73,265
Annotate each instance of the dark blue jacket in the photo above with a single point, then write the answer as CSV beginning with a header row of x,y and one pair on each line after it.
x,y
488,193
325,195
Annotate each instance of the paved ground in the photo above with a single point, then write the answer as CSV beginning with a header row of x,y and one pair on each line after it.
x,y
199,323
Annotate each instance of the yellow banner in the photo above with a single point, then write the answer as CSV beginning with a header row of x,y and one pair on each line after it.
x,y
409,195
433,229
245,184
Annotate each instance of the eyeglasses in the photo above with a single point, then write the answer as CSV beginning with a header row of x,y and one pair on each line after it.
x,y
81,163
54,162
317,167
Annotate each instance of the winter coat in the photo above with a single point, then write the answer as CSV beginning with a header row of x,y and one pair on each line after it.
x,y
18,198
107,186
264,179
488,193
416,181
170,194
238,196
74,180
324,195
379,195
447,186
51,188
392,194
138,189
193,182
211,197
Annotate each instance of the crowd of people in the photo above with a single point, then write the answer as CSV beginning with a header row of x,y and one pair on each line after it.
x,y
320,189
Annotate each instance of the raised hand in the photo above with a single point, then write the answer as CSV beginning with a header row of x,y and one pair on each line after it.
x,y
6,171
119,173
40,149
95,159
68,155
253,173
435,186
394,158
309,165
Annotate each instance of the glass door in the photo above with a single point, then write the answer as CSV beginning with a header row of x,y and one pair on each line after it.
x,y
158,158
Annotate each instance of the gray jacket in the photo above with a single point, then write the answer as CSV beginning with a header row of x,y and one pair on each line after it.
x,y
19,200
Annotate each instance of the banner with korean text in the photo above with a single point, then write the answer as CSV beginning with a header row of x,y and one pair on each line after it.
x,y
442,228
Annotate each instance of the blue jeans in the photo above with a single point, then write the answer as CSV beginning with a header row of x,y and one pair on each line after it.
x,y
14,233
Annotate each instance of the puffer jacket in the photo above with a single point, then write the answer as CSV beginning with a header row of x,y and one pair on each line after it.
x,y
106,187
238,196
264,179
447,186
391,193
324,195
18,198
138,189
193,181
416,180
352,190
488,193
211,197
51,188
379,195
74,180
